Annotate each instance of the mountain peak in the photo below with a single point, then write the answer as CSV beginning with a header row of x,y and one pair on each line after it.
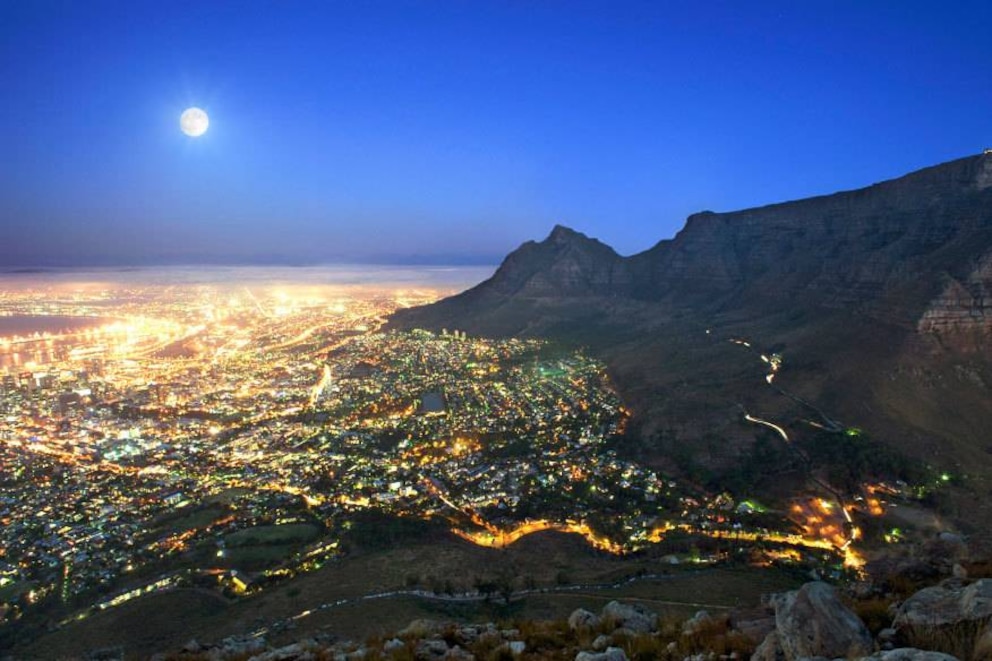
x,y
566,238
560,233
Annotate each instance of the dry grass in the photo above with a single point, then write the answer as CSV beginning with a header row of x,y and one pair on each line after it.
x,y
963,640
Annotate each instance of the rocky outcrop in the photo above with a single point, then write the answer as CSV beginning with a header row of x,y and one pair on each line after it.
x,y
288,652
955,611
954,616
697,624
755,627
582,619
910,654
770,649
811,622
610,654
865,247
949,603
963,305
630,617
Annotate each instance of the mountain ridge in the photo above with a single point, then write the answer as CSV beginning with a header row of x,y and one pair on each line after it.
x,y
880,299
933,214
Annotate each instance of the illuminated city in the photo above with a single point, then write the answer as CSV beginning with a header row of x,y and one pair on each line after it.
x,y
465,331
159,426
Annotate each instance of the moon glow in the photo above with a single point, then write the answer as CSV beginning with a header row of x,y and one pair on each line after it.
x,y
194,122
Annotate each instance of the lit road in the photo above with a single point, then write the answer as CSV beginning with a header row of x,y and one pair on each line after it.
x,y
851,558
770,425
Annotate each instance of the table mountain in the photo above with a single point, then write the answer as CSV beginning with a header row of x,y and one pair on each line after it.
x,y
917,249
878,299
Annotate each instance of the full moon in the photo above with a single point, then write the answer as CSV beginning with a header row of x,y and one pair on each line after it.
x,y
194,122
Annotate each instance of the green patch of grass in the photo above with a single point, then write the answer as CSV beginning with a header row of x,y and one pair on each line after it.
x,y
254,558
291,533
176,523
227,496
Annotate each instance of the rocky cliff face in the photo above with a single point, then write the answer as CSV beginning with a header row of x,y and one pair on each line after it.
x,y
885,247
964,305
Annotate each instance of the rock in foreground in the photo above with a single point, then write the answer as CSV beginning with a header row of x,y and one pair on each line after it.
x,y
812,621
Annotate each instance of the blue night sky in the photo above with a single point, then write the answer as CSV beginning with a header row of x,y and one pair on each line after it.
x,y
454,131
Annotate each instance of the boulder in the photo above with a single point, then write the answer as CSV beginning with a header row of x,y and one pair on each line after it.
x,y
887,638
946,604
582,619
601,643
629,616
456,653
287,653
431,649
954,610
610,654
811,622
756,629
232,647
909,654
624,633
516,647
952,538
696,623
192,647
306,651
769,649
393,645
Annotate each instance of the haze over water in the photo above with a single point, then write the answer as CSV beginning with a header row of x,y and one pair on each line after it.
x,y
455,278
56,304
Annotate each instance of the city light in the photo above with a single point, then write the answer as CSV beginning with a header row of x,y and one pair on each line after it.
x,y
188,423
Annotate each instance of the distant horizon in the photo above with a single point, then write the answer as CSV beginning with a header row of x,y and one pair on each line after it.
x,y
425,262
415,260
444,278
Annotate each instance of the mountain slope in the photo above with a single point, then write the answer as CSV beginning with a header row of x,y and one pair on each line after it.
x,y
878,299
